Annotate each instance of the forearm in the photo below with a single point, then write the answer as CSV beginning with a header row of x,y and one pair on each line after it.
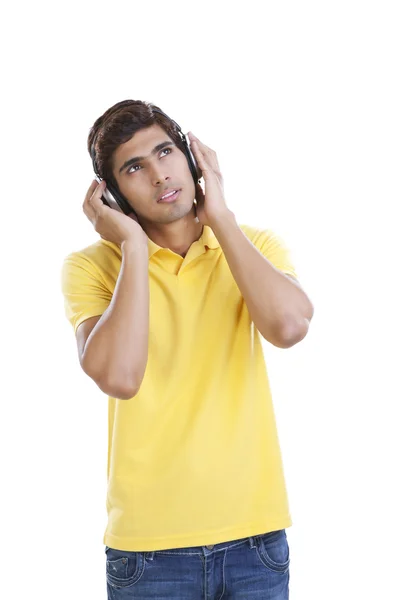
x,y
280,309
117,348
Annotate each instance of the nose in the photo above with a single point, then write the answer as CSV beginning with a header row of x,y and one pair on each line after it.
x,y
158,176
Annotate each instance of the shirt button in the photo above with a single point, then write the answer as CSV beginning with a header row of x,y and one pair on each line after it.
x,y
210,547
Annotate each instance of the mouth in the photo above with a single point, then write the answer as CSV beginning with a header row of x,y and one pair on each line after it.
x,y
170,197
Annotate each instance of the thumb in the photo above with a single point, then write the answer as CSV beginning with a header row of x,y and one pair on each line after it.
x,y
133,216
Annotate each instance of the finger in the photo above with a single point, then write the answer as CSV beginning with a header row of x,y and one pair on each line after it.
x,y
88,207
209,155
205,149
199,156
95,200
90,191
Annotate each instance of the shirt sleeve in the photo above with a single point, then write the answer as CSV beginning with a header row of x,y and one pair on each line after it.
x,y
84,290
272,246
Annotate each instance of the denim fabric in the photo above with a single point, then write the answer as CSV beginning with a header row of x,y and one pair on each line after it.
x,y
253,568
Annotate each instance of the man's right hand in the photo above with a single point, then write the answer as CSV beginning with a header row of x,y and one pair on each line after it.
x,y
110,224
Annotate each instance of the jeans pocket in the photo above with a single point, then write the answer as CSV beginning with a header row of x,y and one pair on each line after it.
x,y
123,568
273,550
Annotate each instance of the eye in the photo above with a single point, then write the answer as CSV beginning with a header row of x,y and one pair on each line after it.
x,y
129,171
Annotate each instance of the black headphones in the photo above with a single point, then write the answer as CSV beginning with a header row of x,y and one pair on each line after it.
x,y
112,195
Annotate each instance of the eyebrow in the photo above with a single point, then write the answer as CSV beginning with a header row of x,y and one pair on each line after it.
x,y
132,161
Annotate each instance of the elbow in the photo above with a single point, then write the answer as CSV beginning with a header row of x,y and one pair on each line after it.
x,y
293,333
116,390
123,387
287,335
290,330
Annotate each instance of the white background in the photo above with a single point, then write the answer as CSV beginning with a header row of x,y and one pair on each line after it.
x,y
301,101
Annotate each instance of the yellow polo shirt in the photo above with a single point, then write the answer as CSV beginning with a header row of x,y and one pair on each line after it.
x,y
194,458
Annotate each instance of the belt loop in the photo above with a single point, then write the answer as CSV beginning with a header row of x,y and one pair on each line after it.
x,y
150,555
251,541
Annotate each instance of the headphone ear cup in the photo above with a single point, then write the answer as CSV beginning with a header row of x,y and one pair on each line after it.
x,y
119,199
194,168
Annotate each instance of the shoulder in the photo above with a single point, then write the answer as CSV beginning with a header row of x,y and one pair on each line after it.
x,y
97,256
272,246
261,237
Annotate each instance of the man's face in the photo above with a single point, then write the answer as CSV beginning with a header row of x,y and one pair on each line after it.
x,y
143,181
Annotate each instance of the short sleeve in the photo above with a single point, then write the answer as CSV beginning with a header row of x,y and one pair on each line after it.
x,y
273,247
84,290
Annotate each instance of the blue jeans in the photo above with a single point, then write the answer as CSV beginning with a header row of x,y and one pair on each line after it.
x,y
253,568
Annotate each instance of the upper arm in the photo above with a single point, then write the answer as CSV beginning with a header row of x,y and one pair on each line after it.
x,y
293,278
274,248
82,333
86,295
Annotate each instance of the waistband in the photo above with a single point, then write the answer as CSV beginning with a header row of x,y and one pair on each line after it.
x,y
251,541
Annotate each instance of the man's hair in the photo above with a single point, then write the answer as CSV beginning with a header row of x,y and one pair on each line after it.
x,y
118,124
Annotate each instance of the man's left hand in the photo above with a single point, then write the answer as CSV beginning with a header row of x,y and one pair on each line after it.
x,y
211,205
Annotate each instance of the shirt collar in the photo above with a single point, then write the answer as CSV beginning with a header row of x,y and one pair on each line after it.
x,y
207,239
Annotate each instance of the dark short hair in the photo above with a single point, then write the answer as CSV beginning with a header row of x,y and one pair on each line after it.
x,y
118,124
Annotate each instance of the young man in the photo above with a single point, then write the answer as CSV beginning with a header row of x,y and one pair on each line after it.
x,y
168,309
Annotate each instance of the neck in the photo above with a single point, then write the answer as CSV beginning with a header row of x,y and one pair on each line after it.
x,y
177,236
